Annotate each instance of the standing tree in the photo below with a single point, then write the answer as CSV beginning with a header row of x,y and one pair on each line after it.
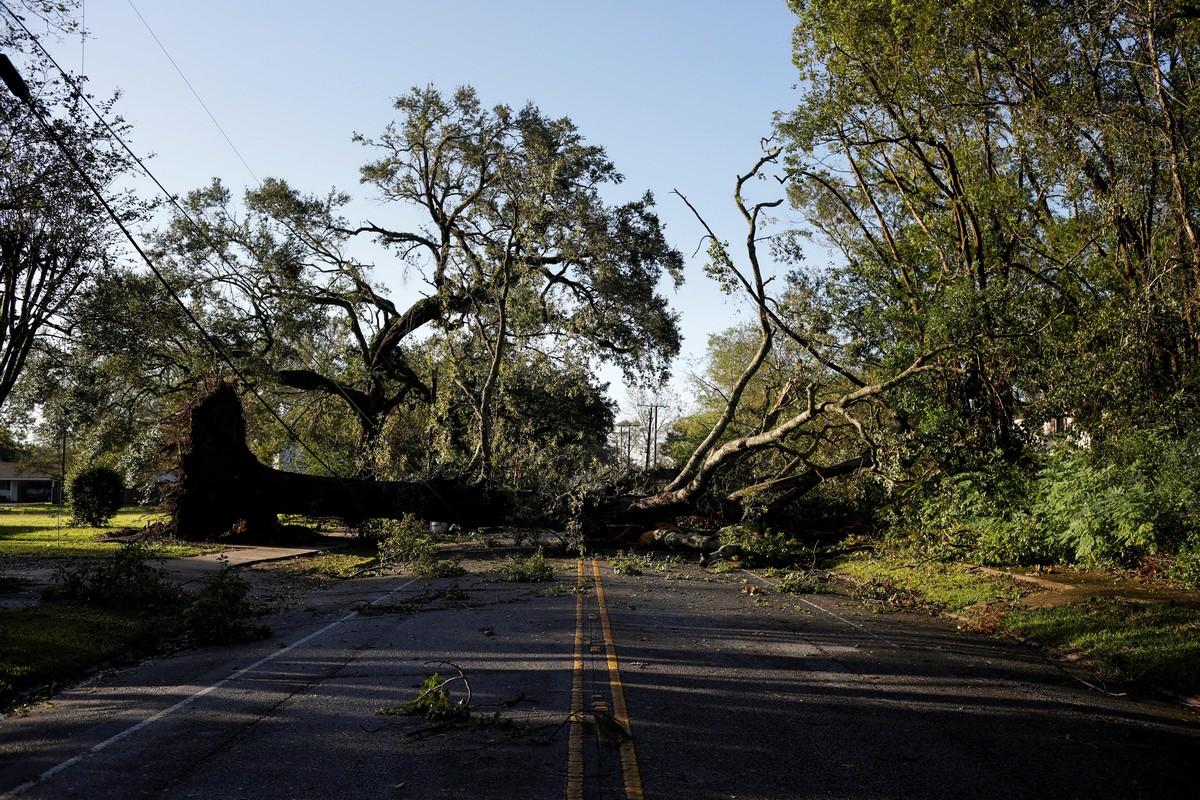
x,y
1009,191
54,236
1021,174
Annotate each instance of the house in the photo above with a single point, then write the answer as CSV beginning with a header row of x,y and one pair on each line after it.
x,y
21,484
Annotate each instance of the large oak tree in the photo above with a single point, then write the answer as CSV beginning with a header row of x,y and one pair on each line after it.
x,y
517,249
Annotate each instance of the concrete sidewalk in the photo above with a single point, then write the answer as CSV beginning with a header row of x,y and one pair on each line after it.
x,y
187,572
192,569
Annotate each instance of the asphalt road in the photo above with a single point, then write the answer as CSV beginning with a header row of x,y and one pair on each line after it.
x,y
725,695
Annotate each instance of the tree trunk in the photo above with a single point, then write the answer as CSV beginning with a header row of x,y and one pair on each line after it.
x,y
223,488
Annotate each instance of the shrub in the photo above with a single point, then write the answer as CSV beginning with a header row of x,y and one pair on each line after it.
x,y
1099,514
96,495
976,511
123,580
1171,472
1076,507
222,612
1136,492
1017,539
1186,568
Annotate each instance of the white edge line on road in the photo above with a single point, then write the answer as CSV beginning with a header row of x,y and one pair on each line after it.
x,y
824,610
148,721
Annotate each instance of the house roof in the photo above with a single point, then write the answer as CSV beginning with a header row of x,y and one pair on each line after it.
x,y
12,471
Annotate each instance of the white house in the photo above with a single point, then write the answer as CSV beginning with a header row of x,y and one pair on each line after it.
x,y
20,484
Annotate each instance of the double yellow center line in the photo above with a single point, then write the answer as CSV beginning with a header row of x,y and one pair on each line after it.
x,y
630,774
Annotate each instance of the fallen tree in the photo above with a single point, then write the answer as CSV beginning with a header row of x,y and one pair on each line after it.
x,y
824,422
223,488
835,395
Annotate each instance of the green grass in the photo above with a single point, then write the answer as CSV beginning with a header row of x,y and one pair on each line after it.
x,y
332,566
1144,643
44,530
53,642
892,580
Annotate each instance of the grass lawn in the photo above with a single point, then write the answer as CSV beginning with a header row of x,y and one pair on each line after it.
x,y
1147,643
1151,644
44,530
894,580
52,642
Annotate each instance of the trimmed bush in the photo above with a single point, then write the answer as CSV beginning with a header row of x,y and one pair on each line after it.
x,y
96,495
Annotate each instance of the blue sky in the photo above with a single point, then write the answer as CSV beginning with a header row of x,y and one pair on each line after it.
x,y
678,92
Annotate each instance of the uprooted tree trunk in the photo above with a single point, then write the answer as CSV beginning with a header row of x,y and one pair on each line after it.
x,y
223,487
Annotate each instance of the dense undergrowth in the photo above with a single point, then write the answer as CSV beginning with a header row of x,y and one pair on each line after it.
x,y
1109,505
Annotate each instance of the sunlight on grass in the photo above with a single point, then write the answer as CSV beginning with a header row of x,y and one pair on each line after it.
x,y
44,530
949,587
1150,643
323,566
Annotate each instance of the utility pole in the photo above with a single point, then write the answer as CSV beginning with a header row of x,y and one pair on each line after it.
x,y
651,432
655,461
625,440
62,469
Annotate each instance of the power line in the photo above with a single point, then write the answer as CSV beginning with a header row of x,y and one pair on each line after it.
x,y
195,94
21,91
283,222
207,240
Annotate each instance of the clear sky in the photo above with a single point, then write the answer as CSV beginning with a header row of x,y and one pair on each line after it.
x,y
678,92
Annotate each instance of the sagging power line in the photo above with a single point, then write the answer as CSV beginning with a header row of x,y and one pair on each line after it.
x,y
20,90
